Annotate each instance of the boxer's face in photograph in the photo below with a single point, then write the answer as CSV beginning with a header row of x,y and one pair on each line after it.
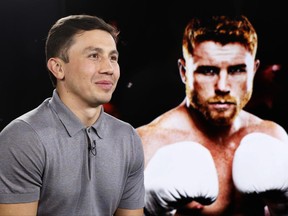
x,y
219,80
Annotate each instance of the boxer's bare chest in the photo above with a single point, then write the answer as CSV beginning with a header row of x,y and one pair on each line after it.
x,y
229,202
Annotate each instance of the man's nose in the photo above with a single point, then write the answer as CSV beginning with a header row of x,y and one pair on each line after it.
x,y
222,84
106,66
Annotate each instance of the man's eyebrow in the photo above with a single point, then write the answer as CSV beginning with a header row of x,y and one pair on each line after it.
x,y
91,48
100,50
114,52
238,65
205,67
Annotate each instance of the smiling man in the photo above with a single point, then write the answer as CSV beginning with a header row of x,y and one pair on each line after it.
x,y
68,156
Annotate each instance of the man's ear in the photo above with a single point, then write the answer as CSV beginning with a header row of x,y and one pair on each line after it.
x,y
256,65
182,69
55,67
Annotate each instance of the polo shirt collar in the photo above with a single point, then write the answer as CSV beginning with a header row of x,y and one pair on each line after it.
x,y
70,121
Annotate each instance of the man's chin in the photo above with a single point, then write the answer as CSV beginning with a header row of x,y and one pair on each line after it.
x,y
222,121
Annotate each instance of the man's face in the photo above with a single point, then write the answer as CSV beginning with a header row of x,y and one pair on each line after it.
x,y
219,80
92,73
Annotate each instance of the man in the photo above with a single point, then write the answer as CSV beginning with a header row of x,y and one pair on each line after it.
x,y
67,156
208,156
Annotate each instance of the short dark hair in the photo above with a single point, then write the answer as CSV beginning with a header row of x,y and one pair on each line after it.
x,y
61,35
222,29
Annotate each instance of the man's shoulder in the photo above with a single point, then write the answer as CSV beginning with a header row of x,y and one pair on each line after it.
x,y
151,130
158,126
29,118
256,124
165,121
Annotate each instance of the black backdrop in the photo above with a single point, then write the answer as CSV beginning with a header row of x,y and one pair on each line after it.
x,y
150,44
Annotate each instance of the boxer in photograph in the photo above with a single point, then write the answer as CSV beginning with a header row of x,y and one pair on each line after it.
x,y
208,156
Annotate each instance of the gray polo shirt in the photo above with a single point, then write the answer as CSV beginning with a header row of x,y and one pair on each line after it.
x,y
48,155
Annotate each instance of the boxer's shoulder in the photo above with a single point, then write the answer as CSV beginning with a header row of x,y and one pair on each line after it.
x,y
249,123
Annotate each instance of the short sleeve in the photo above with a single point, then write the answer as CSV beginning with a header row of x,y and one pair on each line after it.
x,y
133,196
21,163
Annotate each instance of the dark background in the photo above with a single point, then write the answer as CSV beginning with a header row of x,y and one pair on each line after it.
x,y
150,44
